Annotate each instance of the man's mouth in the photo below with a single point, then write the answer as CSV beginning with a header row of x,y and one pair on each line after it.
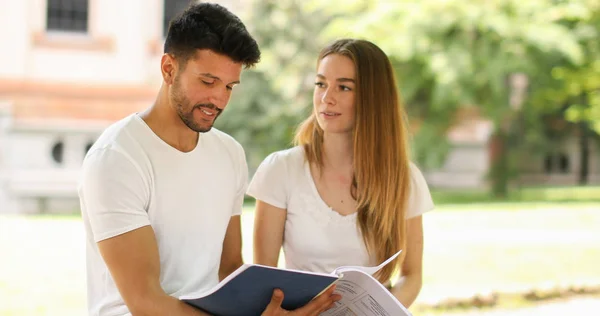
x,y
209,109
208,112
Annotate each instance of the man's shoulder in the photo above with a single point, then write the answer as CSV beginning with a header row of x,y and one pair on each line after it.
x,y
116,130
225,139
117,155
119,136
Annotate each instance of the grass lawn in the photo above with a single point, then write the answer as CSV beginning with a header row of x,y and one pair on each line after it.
x,y
479,248
525,194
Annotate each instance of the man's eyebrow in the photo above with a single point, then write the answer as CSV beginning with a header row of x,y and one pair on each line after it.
x,y
209,75
338,80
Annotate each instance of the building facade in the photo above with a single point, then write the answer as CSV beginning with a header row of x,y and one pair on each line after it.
x,y
72,67
470,156
69,69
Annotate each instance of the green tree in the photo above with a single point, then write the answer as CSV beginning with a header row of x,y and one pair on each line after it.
x,y
570,90
454,54
276,95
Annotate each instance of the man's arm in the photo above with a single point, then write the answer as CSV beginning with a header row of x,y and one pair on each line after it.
x,y
408,286
134,264
231,257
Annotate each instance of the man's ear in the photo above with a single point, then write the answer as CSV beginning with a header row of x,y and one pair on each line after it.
x,y
168,68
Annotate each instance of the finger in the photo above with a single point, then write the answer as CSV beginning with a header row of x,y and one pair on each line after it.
x,y
333,298
319,303
275,303
329,303
332,305
328,292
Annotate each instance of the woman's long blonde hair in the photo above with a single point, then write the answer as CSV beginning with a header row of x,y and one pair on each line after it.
x,y
381,177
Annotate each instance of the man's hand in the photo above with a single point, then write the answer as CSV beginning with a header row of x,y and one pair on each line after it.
x,y
320,304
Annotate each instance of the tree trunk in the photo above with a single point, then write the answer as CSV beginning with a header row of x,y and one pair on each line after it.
x,y
584,153
499,167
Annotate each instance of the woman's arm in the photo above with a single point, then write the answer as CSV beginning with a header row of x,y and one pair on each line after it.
x,y
269,223
408,286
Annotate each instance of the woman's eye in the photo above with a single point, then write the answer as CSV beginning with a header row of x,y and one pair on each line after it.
x,y
319,84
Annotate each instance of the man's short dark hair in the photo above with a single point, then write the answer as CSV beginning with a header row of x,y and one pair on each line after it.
x,y
210,26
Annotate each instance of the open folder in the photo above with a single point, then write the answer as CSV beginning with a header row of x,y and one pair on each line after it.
x,y
248,290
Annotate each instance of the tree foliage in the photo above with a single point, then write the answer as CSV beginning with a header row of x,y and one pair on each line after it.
x,y
448,55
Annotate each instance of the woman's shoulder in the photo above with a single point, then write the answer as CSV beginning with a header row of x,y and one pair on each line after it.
x,y
275,176
291,156
416,176
420,200
414,170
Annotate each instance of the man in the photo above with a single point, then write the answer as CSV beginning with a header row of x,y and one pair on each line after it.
x,y
161,191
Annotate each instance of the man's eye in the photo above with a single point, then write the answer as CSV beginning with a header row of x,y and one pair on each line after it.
x,y
208,83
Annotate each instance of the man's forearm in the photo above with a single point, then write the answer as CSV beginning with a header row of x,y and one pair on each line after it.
x,y
226,270
184,309
407,289
165,305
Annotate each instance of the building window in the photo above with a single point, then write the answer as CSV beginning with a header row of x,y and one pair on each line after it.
x,y
563,163
557,163
67,15
548,163
58,152
88,146
171,9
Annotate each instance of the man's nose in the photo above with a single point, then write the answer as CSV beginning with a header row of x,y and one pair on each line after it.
x,y
220,99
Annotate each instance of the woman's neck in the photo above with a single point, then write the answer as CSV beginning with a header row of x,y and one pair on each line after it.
x,y
338,152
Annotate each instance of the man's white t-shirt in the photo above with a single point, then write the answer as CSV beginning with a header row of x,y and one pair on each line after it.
x,y
316,237
131,178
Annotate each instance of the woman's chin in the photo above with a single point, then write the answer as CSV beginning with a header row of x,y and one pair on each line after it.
x,y
337,130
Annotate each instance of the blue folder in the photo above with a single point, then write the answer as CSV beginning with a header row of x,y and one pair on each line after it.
x,y
249,290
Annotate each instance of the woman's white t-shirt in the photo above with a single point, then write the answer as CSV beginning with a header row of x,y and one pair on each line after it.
x,y
317,238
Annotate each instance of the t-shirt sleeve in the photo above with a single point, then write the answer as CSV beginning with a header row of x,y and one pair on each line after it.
x,y
268,183
113,194
242,184
419,200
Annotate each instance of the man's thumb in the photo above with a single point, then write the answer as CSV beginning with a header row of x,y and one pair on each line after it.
x,y
277,297
275,303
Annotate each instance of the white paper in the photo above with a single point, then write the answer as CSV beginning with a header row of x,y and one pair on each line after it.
x,y
368,270
363,295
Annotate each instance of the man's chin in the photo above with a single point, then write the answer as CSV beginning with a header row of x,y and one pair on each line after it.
x,y
202,128
199,126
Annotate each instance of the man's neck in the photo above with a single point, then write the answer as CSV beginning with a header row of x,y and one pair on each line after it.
x,y
164,121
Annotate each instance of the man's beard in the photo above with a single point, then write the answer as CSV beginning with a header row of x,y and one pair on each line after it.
x,y
182,103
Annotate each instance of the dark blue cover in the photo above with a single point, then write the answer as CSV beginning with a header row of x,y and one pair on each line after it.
x,y
251,291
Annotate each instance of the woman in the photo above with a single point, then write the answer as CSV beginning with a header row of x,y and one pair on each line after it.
x,y
347,194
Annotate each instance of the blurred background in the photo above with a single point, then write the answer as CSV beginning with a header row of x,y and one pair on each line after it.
x,y
503,98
